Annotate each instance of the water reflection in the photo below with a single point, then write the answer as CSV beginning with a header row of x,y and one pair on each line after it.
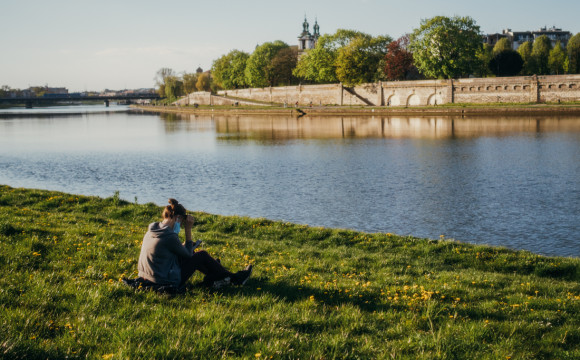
x,y
510,181
319,127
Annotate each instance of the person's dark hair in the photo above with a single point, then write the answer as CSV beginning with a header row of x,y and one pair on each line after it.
x,y
173,209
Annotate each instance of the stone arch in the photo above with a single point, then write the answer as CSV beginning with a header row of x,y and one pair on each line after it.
x,y
561,86
517,87
393,100
572,86
413,100
435,99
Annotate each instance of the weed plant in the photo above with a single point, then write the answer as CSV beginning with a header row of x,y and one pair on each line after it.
x,y
315,293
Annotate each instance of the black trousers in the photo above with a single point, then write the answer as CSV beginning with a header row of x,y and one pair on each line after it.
x,y
204,263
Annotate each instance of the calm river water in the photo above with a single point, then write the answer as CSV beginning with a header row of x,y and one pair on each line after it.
x,y
511,181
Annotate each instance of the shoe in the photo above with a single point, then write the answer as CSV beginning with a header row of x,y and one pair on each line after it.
x,y
218,284
241,277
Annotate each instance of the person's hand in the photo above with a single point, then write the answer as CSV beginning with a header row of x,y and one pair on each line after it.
x,y
188,221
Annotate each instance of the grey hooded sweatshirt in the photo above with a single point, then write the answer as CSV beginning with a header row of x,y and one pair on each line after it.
x,y
160,253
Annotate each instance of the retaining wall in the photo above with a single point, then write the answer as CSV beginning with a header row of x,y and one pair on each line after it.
x,y
521,89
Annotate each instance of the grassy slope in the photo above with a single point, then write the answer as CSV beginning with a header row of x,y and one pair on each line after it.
x,y
317,293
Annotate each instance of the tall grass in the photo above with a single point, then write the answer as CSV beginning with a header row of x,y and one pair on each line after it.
x,y
315,293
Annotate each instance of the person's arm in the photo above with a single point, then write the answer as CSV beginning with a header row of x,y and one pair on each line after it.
x,y
188,224
177,247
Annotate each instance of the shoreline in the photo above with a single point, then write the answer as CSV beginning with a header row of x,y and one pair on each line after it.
x,y
471,110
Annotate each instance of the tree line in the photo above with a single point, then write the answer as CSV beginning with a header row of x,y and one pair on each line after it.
x,y
441,47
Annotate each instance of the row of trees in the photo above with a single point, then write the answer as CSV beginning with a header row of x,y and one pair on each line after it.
x,y
171,85
441,47
530,58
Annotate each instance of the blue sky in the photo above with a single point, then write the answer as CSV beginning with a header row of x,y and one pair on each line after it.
x,y
117,44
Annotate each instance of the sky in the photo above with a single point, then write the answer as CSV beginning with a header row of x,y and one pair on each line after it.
x,y
121,44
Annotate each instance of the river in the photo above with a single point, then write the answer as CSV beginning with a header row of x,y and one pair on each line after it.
x,y
511,181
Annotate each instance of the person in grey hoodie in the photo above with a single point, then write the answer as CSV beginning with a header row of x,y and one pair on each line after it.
x,y
165,260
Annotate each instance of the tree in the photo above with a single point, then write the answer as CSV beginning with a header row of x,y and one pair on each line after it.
x,y
347,55
258,69
228,70
5,91
506,63
398,61
525,51
173,87
282,65
557,59
501,45
203,82
484,56
189,82
161,79
540,55
358,61
573,49
445,47
317,65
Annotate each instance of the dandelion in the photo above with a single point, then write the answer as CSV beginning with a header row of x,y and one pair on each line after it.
x,y
36,253
257,355
107,356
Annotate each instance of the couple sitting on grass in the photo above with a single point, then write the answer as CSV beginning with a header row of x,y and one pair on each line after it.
x,y
167,263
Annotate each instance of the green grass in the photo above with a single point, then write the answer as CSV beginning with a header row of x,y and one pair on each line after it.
x,y
316,293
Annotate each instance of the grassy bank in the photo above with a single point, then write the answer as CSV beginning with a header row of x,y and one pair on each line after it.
x,y
568,108
316,294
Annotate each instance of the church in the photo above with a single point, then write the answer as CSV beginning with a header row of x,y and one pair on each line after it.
x,y
306,40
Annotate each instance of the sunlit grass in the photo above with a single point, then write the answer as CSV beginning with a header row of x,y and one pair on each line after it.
x,y
315,293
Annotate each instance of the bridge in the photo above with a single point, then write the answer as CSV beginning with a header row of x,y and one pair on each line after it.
x,y
29,101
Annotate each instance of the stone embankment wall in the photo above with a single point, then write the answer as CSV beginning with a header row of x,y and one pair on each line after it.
x,y
301,94
522,89
207,98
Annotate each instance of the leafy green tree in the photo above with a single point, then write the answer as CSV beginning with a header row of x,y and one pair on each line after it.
x,y
506,63
173,87
446,47
282,65
258,69
203,82
525,51
484,56
229,70
501,45
317,65
347,55
189,80
358,61
557,59
573,49
541,54
161,77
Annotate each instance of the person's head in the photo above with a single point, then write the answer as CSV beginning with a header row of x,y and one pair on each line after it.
x,y
173,210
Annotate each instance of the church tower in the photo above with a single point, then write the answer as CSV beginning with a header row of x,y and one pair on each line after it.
x,y
306,40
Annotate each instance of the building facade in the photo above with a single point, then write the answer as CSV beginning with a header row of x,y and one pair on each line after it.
x,y
517,38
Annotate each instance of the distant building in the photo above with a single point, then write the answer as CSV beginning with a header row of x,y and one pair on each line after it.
x,y
517,38
306,40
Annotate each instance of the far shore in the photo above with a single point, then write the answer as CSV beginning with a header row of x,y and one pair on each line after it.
x,y
443,110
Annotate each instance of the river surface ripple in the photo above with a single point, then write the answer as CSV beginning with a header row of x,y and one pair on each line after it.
x,y
500,181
